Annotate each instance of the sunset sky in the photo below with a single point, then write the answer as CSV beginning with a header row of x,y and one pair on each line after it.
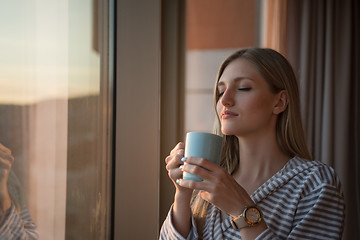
x,y
46,51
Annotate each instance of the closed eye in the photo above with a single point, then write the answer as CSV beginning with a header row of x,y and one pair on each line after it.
x,y
244,89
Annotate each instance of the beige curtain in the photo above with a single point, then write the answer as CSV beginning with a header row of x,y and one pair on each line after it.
x,y
323,45
275,25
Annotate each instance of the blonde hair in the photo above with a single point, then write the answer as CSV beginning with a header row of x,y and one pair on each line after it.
x,y
278,73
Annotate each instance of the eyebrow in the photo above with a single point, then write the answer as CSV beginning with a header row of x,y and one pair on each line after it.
x,y
238,79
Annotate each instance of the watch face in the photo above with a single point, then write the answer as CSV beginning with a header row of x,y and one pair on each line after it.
x,y
252,215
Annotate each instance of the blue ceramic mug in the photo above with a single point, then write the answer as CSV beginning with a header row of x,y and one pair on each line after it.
x,y
203,145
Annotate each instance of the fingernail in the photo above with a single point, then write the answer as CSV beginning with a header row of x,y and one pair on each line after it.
x,y
181,167
178,181
183,159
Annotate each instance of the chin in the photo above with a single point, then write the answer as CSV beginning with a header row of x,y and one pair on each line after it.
x,y
227,131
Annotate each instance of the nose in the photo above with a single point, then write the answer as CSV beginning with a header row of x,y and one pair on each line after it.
x,y
227,99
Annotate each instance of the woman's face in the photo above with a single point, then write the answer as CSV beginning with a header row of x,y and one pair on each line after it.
x,y
246,104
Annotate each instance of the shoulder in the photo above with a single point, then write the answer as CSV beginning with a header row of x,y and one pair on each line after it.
x,y
314,174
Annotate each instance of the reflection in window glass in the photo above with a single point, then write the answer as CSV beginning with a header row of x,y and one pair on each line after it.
x,y
52,114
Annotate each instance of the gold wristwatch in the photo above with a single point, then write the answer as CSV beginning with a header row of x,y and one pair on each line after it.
x,y
248,218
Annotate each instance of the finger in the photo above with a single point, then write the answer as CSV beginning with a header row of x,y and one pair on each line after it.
x,y
202,162
207,196
4,149
191,184
175,174
178,146
168,159
175,158
198,171
179,152
7,158
204,195
174,162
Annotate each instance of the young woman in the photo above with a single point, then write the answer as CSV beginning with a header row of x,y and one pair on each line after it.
x,y
267,187
15,220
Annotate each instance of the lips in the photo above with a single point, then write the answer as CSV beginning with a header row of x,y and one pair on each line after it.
x,y
228,114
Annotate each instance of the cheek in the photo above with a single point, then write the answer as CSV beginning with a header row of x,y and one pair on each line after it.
x,y
261,105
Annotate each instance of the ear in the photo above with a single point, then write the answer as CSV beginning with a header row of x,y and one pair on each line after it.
x,y
281,102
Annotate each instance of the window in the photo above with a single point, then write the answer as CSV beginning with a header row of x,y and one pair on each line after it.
x,y
56,111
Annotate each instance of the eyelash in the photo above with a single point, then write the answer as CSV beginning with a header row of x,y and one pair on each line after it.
x,y
244,89
241,89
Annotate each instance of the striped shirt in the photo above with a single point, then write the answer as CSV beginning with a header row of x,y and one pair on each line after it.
x,y
17,226
303,200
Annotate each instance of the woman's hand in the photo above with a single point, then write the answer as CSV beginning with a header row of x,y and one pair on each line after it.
x,y
173,163
218,187
6,162
181,216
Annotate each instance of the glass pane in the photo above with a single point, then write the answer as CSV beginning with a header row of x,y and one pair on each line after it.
x,y
53,116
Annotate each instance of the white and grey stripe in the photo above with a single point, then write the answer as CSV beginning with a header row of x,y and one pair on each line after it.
x,y
17,226
302,201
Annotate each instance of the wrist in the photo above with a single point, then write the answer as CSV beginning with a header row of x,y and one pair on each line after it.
x,y
5,201
183,195
250,217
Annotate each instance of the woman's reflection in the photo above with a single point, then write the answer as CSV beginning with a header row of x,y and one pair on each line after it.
x,y
15,220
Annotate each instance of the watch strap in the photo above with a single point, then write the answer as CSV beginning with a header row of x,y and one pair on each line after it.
x,y
239,222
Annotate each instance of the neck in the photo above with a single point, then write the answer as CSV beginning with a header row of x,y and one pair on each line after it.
x,y
260,158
